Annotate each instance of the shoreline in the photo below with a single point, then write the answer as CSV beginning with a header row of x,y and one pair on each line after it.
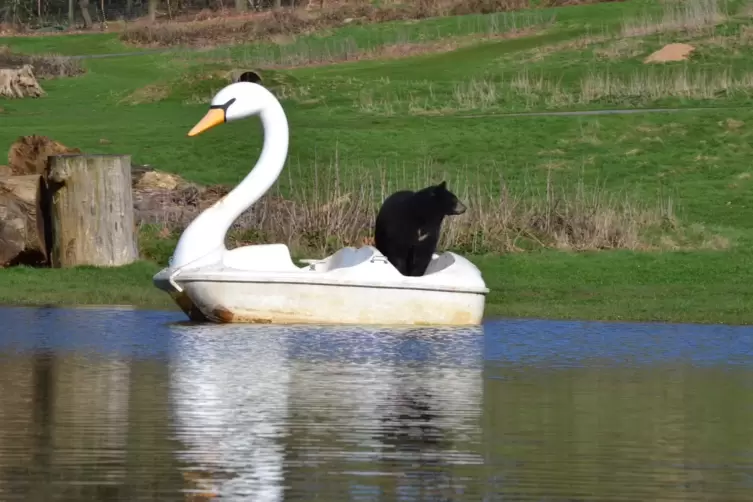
x,y
494,315
486,319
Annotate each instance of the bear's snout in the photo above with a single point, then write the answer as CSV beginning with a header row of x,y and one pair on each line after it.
x,y
459,208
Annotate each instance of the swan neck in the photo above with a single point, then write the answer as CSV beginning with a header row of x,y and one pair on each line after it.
x,y
268,167
204,238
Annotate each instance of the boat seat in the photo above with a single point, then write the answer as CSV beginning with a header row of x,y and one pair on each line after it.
x,y
271,257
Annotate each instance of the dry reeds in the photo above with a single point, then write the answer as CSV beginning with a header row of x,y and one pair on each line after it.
x,y
332,212
44,65
691,16
398,43
531,90
655,84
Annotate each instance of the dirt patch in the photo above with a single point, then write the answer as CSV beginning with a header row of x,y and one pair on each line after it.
x,y
670,52
44,66
732,124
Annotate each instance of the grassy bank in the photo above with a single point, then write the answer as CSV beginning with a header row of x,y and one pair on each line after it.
x,y
703,287
644,216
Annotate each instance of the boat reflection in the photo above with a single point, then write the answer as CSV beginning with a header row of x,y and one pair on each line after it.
x,y
264,410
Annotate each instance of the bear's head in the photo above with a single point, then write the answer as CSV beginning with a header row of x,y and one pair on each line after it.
x,y
446,201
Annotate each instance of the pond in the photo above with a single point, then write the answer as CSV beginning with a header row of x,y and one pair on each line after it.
x,y
119,404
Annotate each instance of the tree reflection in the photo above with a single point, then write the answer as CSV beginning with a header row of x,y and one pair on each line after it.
x,y
84,428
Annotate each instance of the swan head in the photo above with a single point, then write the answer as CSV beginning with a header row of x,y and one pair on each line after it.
x,y
234,102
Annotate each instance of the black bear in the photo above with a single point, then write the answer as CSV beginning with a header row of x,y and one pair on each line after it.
x,y
408,225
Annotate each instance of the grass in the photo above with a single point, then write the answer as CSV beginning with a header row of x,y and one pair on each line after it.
x,y
632,217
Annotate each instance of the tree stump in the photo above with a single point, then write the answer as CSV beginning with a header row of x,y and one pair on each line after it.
x,y
23,238
28,154
19,83
91,210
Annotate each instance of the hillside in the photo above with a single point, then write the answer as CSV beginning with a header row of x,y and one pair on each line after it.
x,y
374,107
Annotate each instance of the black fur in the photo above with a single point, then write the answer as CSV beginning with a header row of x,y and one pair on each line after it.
x,y
408,226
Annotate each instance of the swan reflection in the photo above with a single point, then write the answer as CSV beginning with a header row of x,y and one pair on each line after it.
x,y
262,409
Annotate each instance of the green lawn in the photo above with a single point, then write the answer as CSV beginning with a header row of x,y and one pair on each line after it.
x,y
414,120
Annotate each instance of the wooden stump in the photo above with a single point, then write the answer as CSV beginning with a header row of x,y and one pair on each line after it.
x,y
22,221
19,83
91,210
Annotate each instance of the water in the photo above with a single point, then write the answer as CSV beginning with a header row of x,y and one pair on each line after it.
x,y
131,405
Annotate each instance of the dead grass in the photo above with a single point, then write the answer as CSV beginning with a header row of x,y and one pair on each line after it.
x,y
688,16
652,85
151,93
532,90
303,54
743,39
331,213
208,30
694,18
44,65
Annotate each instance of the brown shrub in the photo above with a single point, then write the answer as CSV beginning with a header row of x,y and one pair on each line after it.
x,y
44,66
498,219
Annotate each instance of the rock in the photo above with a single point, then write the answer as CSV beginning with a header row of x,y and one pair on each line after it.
x,y
158,180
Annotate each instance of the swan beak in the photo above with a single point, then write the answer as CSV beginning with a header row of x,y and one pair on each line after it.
x,y
214,117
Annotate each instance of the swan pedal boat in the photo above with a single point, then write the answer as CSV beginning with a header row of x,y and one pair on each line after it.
x,y
262,284
352,286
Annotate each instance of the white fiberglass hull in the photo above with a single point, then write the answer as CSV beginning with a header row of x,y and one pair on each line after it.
x,y
348,290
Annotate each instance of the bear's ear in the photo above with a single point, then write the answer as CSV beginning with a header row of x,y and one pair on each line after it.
x,y
442,185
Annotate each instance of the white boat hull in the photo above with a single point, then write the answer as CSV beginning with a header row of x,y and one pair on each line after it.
x,y
375,295
238,302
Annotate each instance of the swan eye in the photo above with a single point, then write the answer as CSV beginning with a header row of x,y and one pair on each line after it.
x,y
224,106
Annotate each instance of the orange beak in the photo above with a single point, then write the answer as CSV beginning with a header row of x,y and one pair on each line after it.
x,y
214,117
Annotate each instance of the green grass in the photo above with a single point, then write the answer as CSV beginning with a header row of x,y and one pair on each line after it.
x,y
84,286
397,117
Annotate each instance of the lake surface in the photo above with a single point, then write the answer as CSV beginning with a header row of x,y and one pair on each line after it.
x,y
130,405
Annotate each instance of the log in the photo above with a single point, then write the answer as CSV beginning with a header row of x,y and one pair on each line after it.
x,y
91,210
22,223
19,83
